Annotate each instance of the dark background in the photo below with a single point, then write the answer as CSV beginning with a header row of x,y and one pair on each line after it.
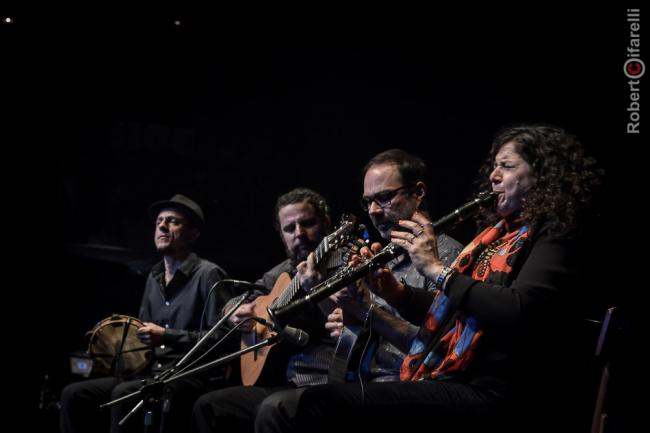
x,y
117,109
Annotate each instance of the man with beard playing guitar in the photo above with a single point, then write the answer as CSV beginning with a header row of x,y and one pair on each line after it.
x,y
302,218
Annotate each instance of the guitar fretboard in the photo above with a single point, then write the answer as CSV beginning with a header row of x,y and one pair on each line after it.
x,y
334,259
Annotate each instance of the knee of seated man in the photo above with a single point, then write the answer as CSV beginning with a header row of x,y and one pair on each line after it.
x,y
71,392
277,410
320,396
124,388
80,392
275,403
201,403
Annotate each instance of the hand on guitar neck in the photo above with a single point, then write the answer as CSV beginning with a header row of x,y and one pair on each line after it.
x,y
308,273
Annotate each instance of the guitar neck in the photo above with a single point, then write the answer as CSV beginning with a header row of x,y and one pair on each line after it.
x,y
288,293
320,254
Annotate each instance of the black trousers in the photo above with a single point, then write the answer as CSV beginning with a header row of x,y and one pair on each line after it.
x,y
391,406
243,408
80,402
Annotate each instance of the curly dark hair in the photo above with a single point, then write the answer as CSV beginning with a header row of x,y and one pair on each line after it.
x,y
565,177
299,195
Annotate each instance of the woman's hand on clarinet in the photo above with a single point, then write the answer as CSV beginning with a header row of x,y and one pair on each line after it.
x,y
421,243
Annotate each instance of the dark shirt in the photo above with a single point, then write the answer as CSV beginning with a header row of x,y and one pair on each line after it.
x,y
178,306
269,277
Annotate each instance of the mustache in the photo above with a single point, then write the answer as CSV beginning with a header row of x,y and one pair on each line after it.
x,y
300,252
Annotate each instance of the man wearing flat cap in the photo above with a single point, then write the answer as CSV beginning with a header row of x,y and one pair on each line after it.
x,y
176,293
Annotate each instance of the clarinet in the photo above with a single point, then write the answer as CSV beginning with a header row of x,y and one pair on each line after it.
x,y
348,274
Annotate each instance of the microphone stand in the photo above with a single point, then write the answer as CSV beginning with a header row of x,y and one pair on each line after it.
x,y
266,342
277,338
151,391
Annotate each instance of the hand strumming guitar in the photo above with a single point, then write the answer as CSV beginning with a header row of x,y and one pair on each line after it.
x,y
244,312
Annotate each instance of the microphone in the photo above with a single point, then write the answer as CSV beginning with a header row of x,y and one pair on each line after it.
x,y
244,285
295,336
239,285
264,322
348,275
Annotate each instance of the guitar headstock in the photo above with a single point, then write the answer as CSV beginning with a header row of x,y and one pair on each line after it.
x,y
346,235
341,233
349,235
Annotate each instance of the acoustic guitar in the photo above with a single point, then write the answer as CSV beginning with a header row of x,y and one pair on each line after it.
x,y
331,252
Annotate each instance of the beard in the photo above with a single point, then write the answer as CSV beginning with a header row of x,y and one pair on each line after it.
x,y
300,253
384,226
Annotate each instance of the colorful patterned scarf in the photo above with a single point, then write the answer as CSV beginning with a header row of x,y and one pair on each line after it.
x,y
489,258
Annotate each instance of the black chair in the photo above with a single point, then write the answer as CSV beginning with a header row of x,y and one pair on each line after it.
x,y
603,350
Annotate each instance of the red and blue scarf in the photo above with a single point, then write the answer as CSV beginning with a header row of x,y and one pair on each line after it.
x,y
488,258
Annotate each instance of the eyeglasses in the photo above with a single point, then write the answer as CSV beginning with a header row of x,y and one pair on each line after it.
x,y
382,198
